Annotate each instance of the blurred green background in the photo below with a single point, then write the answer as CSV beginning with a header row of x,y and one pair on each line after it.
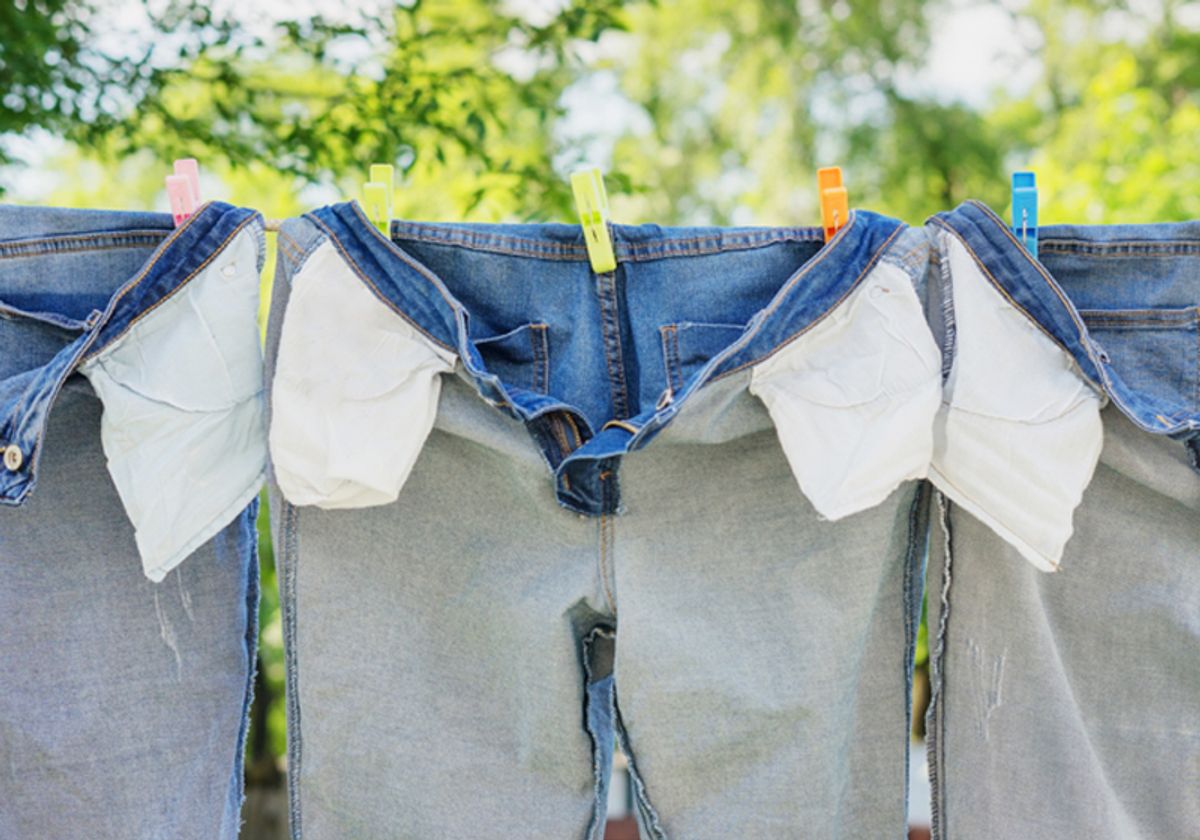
x,y
705,112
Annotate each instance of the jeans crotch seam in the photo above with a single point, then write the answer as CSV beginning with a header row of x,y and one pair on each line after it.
x,y
557,425
937,713
914,572
947,282
607,538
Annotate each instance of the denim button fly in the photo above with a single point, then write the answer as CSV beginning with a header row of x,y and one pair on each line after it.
x,y
13,459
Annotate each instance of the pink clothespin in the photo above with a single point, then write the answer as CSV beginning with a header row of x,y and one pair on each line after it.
x,y
183,189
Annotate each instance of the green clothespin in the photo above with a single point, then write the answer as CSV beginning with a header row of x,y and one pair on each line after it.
x,y
592,203
377,197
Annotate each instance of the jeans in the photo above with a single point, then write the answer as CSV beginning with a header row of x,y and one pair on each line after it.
x,y
1067,705
130,400
522,509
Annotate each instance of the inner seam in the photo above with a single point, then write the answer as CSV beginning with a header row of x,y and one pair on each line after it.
x,y
607,529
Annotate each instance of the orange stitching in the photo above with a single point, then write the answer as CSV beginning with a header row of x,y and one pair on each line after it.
x,y
996,283
32,255
416,265
142,315
295,252
382,297
636,251
857,281
574,429
1024,253
562,438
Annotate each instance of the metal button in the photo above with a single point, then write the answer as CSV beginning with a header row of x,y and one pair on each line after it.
x,y
13,458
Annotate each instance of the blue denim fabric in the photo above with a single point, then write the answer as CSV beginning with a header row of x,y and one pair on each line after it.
x,y
675,273
456,663
1121,299
1065,705
56,295
125,702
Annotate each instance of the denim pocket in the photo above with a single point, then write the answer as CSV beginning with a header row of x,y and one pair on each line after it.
x,y
183,421
1156,353
688,345
520,357
355,392
12,312
854,397
1019,434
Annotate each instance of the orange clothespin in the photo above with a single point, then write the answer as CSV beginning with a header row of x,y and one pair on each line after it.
x,y
835,201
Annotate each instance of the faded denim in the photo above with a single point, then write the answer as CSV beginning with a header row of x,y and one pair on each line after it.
x,y
1067,705
483,454
130,403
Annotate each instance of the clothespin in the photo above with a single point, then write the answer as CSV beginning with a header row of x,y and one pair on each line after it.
x,y
1024,210
591,201
377,197
183,189
835,201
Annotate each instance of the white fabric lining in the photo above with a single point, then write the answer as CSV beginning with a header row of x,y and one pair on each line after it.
x,y
355,392
1019,432
183,425
853,399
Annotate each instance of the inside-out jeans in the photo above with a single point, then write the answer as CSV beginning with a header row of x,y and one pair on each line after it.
x,y
131,424
521,509
1067,705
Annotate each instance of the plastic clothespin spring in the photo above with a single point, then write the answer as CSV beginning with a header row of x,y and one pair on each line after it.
x,y
1025,210
835,200
591,201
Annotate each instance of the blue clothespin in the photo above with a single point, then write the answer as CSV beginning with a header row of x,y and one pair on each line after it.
x,y
1024,210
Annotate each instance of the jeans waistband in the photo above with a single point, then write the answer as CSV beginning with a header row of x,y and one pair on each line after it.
x,y
415,290
1093,285
91,274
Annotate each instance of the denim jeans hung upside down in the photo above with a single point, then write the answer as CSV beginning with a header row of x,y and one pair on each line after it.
x,y
1067,705
522,509
721,441
132,425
